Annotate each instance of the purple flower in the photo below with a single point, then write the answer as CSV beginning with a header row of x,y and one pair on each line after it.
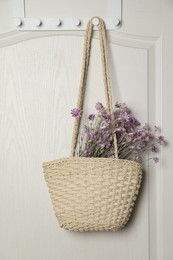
x,y
135,134
161,140
75,112
137,157
96,136
107,118
141,145
128,137
105,145
157,129
88,154
99,106
154,148
141,133
145,135
124,116
156,159
146,127
121,105
148,137
133,122
121,130
133,140
86,129
103,125
91,117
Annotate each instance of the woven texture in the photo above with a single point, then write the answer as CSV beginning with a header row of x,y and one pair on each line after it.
x,y
106,77
93,194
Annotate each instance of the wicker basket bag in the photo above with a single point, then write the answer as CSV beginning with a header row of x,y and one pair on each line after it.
x,y
93,194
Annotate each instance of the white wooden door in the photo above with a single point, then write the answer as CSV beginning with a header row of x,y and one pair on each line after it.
x,y
39,77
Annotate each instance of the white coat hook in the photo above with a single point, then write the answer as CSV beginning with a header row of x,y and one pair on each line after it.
x,y
38,22
113,20
77,22
95,21
18,22
58,22
116,22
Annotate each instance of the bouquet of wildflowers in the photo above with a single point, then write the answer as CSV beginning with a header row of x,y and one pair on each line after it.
x,y
133,140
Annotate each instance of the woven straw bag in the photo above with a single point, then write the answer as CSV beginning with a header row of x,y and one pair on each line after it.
x,y
93,194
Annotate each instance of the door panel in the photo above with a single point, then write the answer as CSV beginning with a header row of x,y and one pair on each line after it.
x,y
38,90
40,74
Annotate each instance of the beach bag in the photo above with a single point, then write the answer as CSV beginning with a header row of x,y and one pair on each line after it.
x,y
93,194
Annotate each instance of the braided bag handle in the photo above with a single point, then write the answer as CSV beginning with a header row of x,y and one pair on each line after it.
x,y
106,78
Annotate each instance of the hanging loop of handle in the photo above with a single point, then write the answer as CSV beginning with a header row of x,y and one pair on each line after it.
x,y
106,77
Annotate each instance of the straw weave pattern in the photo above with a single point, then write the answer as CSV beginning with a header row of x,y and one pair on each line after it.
x,y
92,194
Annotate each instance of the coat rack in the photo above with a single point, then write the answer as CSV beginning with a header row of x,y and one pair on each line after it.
x,y
23,23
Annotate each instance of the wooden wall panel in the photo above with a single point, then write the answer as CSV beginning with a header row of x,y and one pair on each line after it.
x,y
38,87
